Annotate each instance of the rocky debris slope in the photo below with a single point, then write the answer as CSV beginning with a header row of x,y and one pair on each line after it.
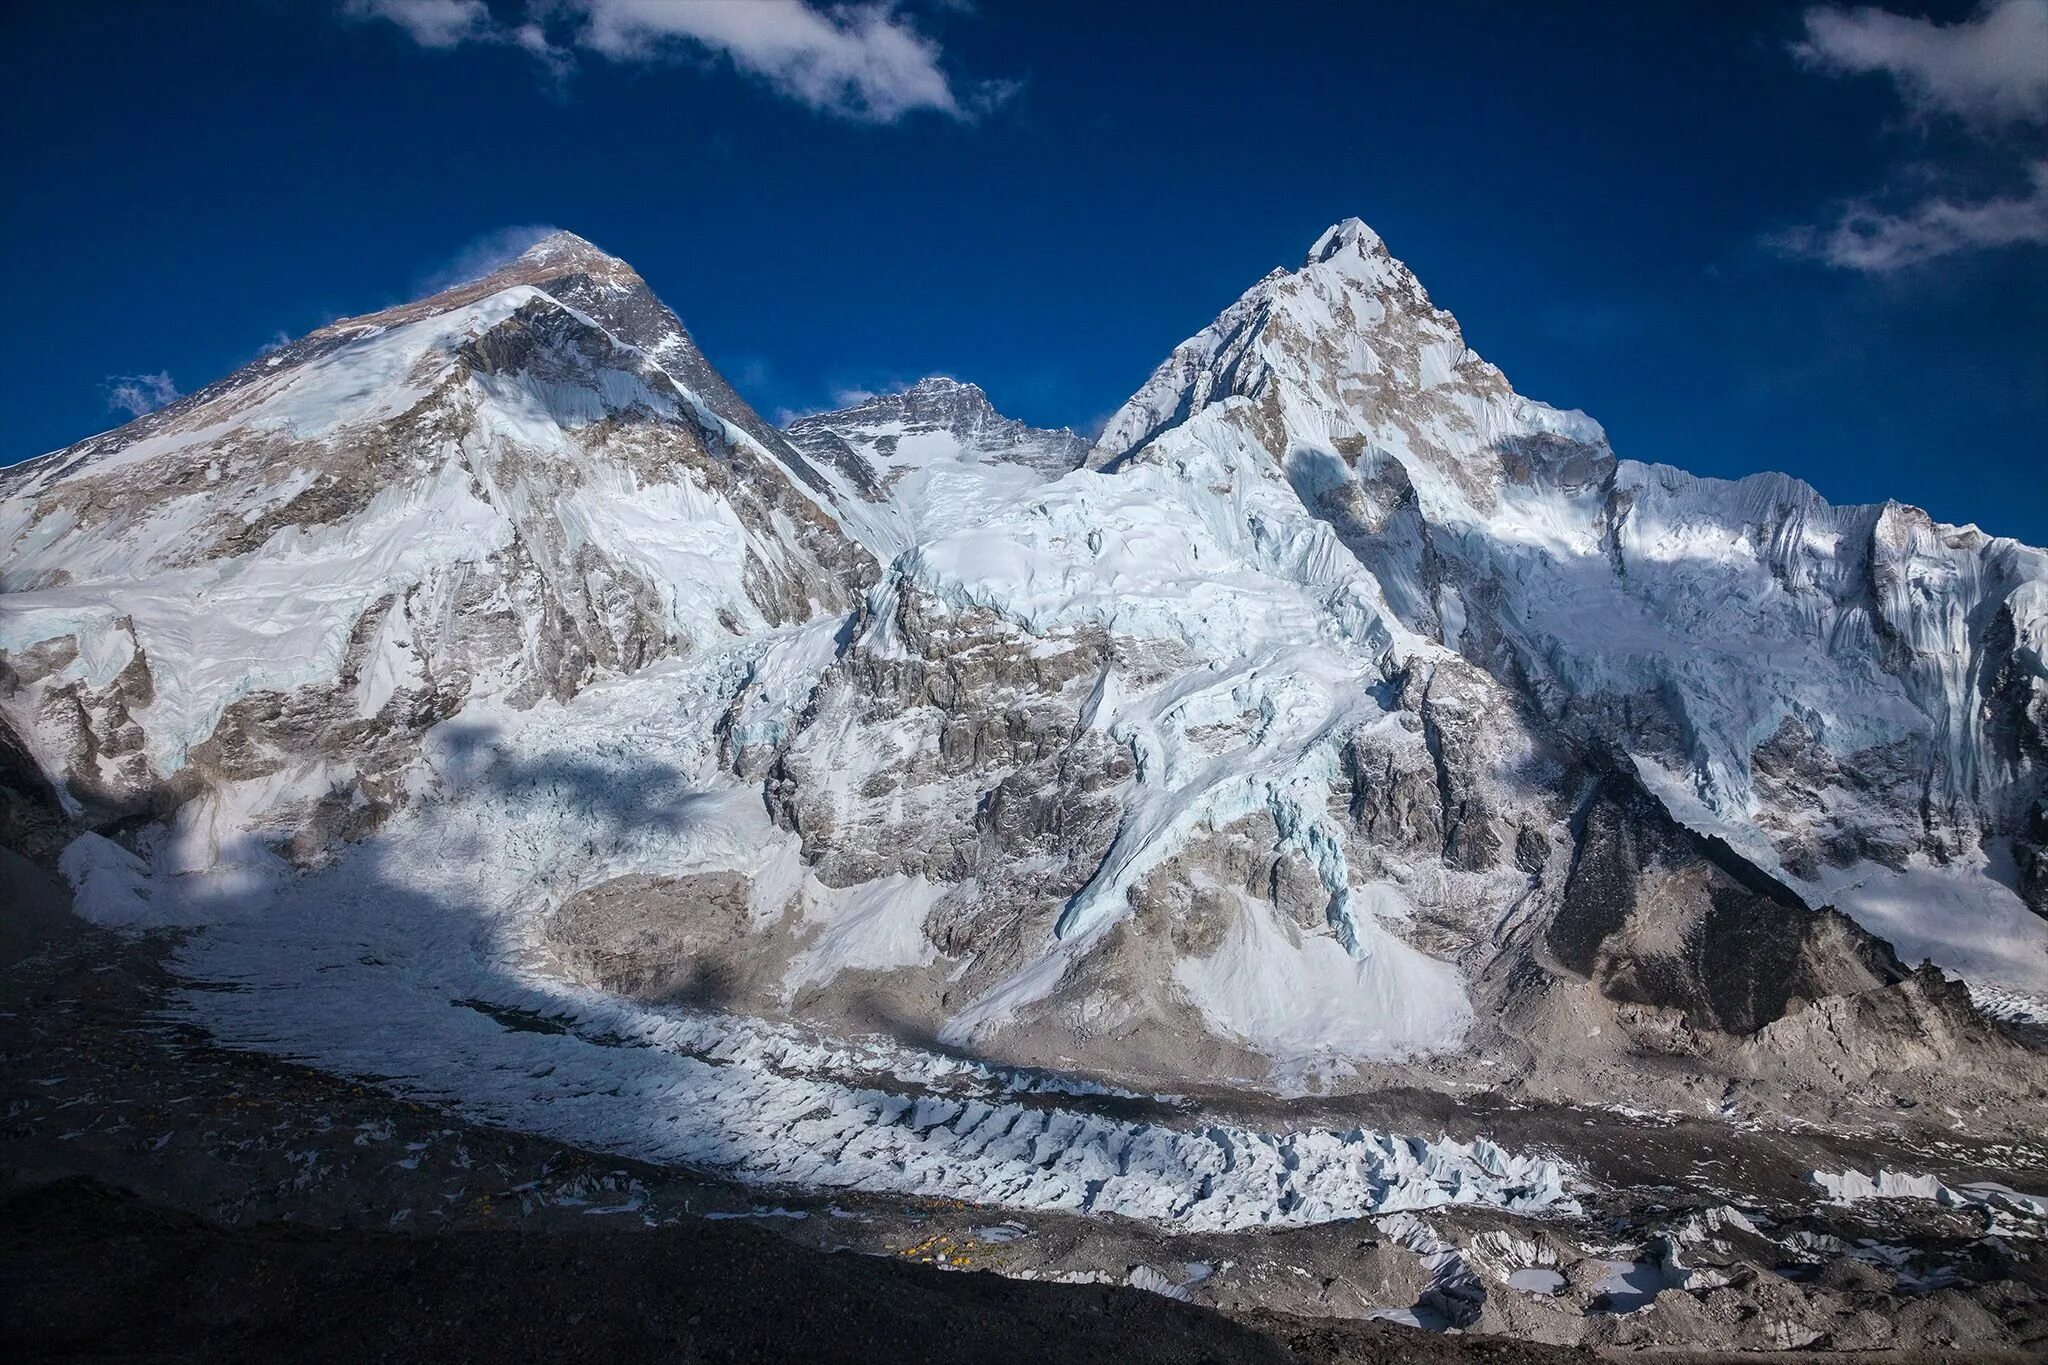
x,y
274,1156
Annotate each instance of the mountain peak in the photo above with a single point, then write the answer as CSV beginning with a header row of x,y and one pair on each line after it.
x,y
1351,232
936,397
1351,343
561,247
937,384
562,264
873,430
603,289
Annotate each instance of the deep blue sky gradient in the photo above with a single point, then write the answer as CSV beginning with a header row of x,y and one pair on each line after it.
x,y
1588,189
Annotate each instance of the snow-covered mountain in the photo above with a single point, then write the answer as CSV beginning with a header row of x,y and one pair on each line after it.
x,y
934,458
506,490
935,420
1341,717
1853,696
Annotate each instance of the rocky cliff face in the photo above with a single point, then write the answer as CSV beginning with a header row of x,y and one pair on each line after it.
x,y
1341,716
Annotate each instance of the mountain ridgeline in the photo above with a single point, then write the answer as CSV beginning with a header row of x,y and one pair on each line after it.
x,y
1338,718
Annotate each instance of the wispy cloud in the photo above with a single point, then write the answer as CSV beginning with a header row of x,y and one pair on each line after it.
x,y
1865,237
843,393
1991,69
137,394
1987,76
430,23
749,373
1093,427
445,24
842,397
482,255
863,61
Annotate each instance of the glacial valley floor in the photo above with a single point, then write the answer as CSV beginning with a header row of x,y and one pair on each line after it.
x,y
163,1199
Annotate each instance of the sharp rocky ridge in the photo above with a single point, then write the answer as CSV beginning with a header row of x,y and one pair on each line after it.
x,y
1340,718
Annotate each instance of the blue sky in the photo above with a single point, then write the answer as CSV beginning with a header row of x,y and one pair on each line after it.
x,y
1744,237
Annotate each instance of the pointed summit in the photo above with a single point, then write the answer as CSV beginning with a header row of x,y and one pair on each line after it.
x,y
936,398
578,273
561,254
945,384
561,243
562,265
1351,232
942,398
1348,357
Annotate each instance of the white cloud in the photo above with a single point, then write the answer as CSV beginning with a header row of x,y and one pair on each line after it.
x,y
1991,69
1866,238
1986,77
136,394
431,23
863,61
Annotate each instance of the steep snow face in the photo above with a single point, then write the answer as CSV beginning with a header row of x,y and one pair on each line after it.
x,y
1348,355
928,461
1854,697
487,493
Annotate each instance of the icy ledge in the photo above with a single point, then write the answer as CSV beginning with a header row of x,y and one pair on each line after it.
x,y
1849,1187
